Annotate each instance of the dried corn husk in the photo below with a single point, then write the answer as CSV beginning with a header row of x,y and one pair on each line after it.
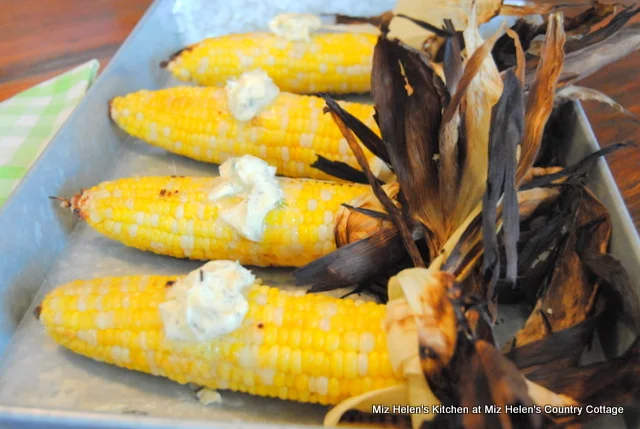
x,y
363,217
572,92
451,134
540,101
482,94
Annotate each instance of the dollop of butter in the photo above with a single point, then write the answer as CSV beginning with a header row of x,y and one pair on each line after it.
x,y
207,303
255,181
295,26
250,93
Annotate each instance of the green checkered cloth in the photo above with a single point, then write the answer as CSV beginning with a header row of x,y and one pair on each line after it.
x,y
29,120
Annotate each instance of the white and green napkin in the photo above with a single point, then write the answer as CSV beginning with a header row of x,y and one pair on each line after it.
x,y
29,120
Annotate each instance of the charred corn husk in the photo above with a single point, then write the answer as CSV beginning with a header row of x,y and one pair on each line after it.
x,y
174,216
309,348
195,122
329,62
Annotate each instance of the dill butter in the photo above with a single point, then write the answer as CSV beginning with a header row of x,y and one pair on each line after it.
x,y
295,26
207,303
255,181
250,93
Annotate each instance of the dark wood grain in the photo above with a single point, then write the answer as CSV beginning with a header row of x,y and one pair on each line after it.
x,y
42,38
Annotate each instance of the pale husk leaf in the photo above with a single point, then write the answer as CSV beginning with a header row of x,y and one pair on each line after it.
x,y
543,396
435,12
572,92
482,94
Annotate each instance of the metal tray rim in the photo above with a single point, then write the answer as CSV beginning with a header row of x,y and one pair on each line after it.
x,y
602,167
38,416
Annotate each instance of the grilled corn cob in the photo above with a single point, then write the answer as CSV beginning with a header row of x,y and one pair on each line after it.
x,y
309,348
330,62
174,216
195,122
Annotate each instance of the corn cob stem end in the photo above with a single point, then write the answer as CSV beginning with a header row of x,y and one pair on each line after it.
x,y
74,204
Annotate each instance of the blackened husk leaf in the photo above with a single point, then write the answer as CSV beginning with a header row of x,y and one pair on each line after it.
x,y
536,242
584,62
614,382
540,100
481,95
504,50
397,215
618,291
466,244
574,171
377,20
452,62
340,170
479,319
569,297
409,119
472,67
579,25
467,249
352,263
603,33
368,138
557,350
480,375
429,27
372,213
453,168
507,125
582,23
451,135
359,418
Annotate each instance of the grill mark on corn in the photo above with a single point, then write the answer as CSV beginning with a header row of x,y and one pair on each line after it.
x,y
175,56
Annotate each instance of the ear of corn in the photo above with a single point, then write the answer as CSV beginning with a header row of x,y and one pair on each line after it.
x,y
309,348
196,122
174,216
330,62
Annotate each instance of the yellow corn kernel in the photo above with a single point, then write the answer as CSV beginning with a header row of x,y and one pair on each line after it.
x,y
329,62
233,361
289,134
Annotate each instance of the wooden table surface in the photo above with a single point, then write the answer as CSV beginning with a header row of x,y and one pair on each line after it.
x,y
41,39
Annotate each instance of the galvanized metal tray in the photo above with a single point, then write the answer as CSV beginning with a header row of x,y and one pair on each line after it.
x,y
41,246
